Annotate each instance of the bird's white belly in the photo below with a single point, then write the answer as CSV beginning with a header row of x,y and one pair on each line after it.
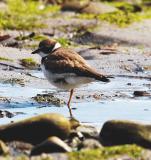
x,y
71,81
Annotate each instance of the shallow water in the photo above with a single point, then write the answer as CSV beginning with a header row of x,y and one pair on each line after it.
x,y
8,90
89,112
94,113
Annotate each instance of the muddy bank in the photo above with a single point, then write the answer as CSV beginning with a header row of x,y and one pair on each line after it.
x,y
131,70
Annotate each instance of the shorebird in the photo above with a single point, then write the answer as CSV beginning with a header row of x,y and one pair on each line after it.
x,y
65,68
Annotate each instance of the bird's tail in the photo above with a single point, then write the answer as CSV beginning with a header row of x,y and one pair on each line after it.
x,y
103,78
98,76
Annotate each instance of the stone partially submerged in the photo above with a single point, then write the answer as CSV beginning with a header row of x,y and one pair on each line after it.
x,y
118,132
37,129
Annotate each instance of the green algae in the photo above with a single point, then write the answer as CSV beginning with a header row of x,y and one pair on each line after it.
x,y
5,59
63,41
49,99
125,15
29,63
132,151
25,17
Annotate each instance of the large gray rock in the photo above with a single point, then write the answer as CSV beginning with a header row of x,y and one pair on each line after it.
x,y
88,131
89,144
37,129
118,132
51,145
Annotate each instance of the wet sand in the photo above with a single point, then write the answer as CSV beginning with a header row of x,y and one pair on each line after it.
x,y
128,62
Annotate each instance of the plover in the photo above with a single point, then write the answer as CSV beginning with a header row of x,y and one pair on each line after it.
x,y
65,68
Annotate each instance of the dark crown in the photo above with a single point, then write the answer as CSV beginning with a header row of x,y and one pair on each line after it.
x,y
47,45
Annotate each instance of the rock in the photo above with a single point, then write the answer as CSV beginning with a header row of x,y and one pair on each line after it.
x,y
87,7
141,93
51,145
88,131
98,8
54,2
59,156
117,132
75,139
130,7
74,143
4,37
48,99
4,113
121,157
4,149
146,154
147,3
89,144
18,147
14,81
74,134
128,1
37,129
26,36
89,37
43,156
74,5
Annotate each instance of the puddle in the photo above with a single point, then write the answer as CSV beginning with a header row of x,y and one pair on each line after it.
x,y
94,113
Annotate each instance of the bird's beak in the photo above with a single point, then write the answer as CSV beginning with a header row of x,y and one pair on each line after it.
x,y
36,51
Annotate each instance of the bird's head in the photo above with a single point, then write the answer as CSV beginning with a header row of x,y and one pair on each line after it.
x,y
46,46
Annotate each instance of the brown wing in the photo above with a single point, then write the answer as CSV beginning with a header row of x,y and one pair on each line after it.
x,y
66,61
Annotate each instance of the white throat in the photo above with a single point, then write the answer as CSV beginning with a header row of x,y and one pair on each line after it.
x,y
42,54
57,45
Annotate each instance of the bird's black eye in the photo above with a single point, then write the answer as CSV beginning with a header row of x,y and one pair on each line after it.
x,y
46,50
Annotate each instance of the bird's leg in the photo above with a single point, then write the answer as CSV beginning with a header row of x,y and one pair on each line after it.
x,y
68,104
